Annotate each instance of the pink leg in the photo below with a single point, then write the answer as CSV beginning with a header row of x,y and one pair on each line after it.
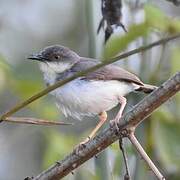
x,y
102,118
114,122
122,101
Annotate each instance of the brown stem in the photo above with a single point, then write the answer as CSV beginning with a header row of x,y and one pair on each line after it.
x,y
144,156
35,121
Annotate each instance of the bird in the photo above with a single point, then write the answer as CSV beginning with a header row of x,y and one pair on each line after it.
x,y
92,94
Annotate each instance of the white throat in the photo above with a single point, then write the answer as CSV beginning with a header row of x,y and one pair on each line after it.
x,y
50,70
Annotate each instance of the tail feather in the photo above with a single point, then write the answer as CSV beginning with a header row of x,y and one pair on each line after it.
x,y
147,88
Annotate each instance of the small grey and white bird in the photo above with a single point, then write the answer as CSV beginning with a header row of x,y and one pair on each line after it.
x,y
90,95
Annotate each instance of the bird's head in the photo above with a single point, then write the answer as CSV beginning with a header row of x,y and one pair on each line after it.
x,y
55,58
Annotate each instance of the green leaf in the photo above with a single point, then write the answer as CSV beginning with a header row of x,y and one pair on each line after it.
x,y
175,67
4,65
58,145
175,61
118,43
166,139
48,110
155,18
5,70
26,88
2,80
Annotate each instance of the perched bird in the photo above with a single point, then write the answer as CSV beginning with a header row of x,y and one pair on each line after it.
x,y
90,95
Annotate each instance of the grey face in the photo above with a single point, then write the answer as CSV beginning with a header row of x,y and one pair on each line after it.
x,y
55,53
57,58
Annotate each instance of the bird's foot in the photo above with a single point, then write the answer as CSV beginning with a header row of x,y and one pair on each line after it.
x,y
78,149
114,125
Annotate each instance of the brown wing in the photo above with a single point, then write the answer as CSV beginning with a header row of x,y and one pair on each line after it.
x,y
112,72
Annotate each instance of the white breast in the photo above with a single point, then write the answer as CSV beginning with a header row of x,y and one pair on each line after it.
x,y
86,98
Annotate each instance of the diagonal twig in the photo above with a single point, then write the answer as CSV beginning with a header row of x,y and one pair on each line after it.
x,y
109,135
61,83
144,156
35,121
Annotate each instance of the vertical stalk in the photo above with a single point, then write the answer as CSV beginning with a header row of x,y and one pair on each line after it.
x,y
91,28
101,161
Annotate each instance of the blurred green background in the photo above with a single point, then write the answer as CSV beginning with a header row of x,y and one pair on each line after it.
x,y
26,26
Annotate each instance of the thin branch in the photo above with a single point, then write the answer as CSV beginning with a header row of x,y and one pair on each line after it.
x,y
121,146
61,83
144,156
110,135
35,121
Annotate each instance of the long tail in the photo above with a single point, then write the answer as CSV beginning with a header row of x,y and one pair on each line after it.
x,y
147,88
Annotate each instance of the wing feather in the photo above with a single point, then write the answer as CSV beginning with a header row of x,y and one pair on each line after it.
x,y
109,72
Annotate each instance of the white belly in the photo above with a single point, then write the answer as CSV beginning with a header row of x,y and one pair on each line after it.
x,y
87,98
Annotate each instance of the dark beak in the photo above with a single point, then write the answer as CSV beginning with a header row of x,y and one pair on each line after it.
x,y
37,57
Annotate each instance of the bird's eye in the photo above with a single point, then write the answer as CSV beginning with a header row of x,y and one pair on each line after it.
x,y
57,57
